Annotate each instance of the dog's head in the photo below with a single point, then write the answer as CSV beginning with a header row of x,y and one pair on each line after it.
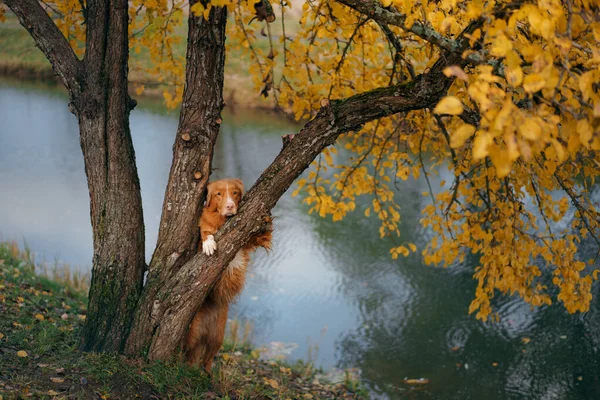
x,y
224,196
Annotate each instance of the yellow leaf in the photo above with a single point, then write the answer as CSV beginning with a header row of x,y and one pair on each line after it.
x,y
449,105
585,132
39,317
308,396
285,370
455,70
386,3
420,381
533,83
1,335
502,163
511,146
514,76
273,383
563,44
560,150
57,380
480,146
207,12
530,129
197,9
412,247
526,340
22,353
460,135
500,46
52,393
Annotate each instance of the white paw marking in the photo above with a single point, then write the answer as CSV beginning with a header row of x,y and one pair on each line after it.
x,y
209,246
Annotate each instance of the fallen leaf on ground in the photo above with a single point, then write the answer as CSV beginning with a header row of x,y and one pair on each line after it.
x,y
57,380
60,370
52,393
272,382
525,340
21,353
39,317
420,381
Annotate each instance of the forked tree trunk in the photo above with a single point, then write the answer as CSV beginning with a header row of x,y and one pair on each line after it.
x,y
178,298
179,279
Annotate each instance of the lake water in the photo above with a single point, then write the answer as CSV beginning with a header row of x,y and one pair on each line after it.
x,y
330,288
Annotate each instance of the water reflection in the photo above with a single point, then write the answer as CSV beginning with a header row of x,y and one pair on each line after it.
x,y
330,286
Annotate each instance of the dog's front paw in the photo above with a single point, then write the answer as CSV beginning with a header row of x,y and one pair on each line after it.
x,y
209,246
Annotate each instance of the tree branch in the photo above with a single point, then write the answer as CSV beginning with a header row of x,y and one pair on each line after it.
x,y
50,40
375,10
185,291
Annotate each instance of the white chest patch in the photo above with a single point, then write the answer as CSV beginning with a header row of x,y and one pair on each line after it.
x,y
237,262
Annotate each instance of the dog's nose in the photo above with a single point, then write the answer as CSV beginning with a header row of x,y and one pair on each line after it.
x,y
230,205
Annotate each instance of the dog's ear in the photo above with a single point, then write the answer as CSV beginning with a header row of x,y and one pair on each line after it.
x,y
209,193
239,184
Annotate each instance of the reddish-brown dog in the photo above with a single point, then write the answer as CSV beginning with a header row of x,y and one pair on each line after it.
x,y
207,330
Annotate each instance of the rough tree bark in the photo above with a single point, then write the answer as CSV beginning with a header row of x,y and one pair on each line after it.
x,y
199,124
115,199
98,91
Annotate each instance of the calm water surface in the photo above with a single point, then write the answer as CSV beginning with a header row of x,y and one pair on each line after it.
x,y
331,288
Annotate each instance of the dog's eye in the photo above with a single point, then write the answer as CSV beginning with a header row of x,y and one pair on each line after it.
x,y
235,192
218,193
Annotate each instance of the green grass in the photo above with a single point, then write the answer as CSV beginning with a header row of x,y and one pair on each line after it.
x,y
16,46
40,322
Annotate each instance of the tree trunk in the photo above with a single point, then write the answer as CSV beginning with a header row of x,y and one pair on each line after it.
x,y
115,200
199,124
98,92
177,299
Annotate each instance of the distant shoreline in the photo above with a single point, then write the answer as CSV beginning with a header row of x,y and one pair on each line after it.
x,y
233,96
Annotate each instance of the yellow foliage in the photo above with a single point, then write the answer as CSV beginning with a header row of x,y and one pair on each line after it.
x,y
524,168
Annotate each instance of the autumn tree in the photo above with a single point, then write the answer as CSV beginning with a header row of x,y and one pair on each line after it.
x,y
505,94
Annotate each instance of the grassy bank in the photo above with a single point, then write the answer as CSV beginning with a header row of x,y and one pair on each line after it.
x,y
21,59
40,320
